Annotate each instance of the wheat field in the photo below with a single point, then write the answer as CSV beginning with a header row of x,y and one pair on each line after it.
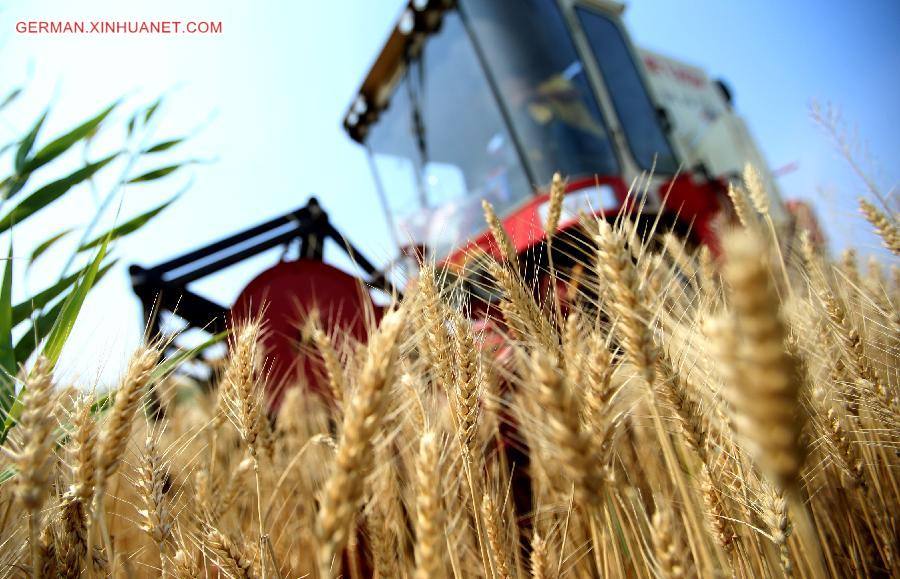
x,y
682,412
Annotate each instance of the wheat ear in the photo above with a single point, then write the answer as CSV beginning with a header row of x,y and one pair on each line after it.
x,y
186,565
554,210
716,515
686,410
554,213
519,308
468,378
634,318
33,459
775,516
47,545
538,559
581,462
344,488
741,206
765,399
885,227
429,513
73,541
666,546
117,430
436,340
765,395
332,364
494,535
500,236
156,515
228,555
596,368
384,559
757,190
245,402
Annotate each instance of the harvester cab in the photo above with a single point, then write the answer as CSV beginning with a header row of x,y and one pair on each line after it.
x,y
473,100
478,99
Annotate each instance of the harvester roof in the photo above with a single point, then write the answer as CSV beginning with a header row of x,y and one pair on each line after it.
x,y
418,19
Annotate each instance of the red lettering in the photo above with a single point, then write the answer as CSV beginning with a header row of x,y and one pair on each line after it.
x,y
121,27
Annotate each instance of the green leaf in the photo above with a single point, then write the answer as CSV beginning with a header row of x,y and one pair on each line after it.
x,y
38,331
156,174
151,109
41,326
13,95
60,145
131,123
25,309
7,473
50,193
10,419
3,150
164,146
66,320
63,315
28,143
7,358
60,319
103,403
46,245
128,227
13,184
169,364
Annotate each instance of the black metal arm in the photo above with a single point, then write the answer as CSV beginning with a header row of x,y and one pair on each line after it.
x,y
164,287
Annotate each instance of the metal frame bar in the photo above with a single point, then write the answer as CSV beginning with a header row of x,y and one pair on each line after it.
x,y
629,166
488,74
164,286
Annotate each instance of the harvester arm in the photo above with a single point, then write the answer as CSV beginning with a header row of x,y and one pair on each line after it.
x,y
164,286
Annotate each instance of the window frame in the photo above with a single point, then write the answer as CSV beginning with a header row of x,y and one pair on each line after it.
x,y
612,12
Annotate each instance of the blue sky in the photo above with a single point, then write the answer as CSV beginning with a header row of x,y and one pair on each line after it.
x,y
266,97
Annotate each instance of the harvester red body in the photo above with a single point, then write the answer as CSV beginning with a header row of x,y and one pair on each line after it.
x,y
487,99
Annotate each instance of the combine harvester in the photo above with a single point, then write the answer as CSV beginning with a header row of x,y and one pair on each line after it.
x,y
486,99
